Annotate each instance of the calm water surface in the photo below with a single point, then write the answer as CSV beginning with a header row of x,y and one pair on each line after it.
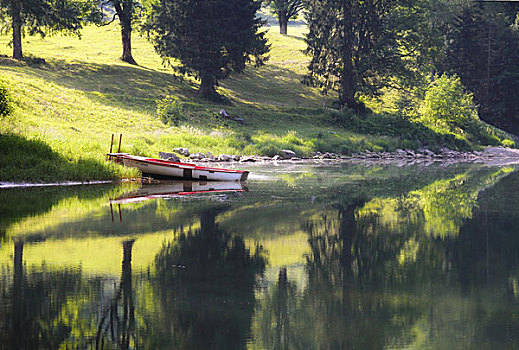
x,y
302,257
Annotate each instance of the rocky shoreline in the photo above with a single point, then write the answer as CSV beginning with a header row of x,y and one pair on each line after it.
x,y
420,156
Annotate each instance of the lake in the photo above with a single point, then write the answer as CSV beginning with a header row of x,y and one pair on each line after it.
x,y
349,256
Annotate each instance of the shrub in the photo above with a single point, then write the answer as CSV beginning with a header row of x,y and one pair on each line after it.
x,y
508,143
170,110
6,105
448,106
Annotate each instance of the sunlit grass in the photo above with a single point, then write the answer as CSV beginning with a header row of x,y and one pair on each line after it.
x,y
83,94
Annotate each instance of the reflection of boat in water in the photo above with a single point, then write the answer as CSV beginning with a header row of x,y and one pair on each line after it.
x,y
178,188
166,168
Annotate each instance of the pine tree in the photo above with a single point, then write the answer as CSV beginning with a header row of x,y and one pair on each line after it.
x,y
483,49
210,38
44,17
359,46
285,10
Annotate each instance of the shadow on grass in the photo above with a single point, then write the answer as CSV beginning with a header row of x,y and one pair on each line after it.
x,y
273,85
137,88
123,86
25,160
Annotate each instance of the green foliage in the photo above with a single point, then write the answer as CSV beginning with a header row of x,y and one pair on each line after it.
x,y
211,39
33,160
447,105
483,50
45,17
170,110
508,143
6,106
285,10
365,52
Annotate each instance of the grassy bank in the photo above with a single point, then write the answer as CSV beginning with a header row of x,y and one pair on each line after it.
x,y
67,109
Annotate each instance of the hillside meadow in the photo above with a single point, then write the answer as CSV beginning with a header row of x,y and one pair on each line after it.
x,y
67,108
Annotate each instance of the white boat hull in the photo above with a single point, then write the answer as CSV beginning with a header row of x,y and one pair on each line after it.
x,y
181,170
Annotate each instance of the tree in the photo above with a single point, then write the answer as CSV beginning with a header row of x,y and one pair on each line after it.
x,y
125,11
285,10
210,38
360,46
483,50
44,17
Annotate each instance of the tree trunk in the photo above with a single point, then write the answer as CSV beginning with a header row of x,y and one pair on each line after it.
x,y
126,34
125,20
347,93
128,322
17,29
207,89
283,23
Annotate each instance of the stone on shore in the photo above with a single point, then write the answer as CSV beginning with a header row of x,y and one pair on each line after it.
x,y
224,158
169,156
287,154
182,151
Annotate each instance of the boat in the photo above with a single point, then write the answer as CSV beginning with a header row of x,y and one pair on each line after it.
x,y
168,169
177,188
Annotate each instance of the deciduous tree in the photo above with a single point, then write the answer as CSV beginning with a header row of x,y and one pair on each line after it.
x,y
285,10
125,11
44,17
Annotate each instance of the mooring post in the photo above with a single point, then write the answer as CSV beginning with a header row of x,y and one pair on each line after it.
x,y
112,143
120,140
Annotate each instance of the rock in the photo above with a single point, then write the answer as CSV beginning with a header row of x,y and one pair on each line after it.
x,y
224,114
235,158
287,154
197,156
428,152
224,158
182,151
278,157
210,156
295,159
328,155
169,156
248,159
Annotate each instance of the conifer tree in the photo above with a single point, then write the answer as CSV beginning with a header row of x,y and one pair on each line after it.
x,y
44,17
210,38
357,46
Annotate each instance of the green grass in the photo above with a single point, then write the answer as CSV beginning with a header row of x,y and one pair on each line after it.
x,y
70,106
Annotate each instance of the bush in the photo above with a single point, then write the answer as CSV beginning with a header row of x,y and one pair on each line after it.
x,y
6,105
170,110
508,143
448,106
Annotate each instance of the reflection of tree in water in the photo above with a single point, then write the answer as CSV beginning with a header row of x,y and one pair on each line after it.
x,y
347,268
374,284
31,304
343,305
206,282
275,314
120,329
